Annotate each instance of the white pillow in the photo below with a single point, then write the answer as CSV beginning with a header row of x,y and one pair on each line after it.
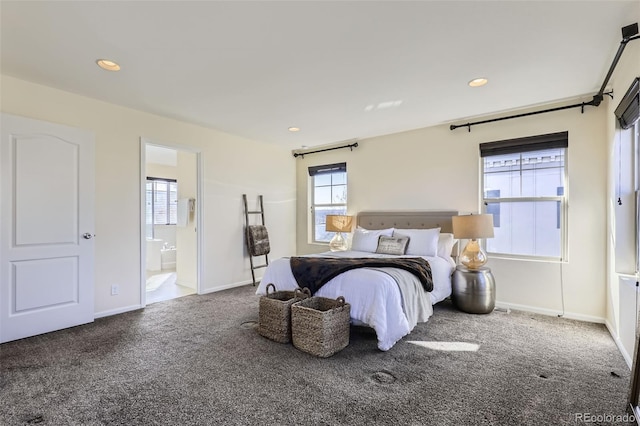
x,y
445,245
422,242
367,239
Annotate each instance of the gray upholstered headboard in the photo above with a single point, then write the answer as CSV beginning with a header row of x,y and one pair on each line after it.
x,y
407,219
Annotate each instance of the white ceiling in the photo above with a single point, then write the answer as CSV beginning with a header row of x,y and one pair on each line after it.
x,y
338,70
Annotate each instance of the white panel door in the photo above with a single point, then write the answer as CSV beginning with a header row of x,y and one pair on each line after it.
x,y
46,227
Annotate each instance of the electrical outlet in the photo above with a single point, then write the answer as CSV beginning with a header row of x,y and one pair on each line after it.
x,y
115,289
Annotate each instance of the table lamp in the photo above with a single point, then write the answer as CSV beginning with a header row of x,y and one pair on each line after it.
x,y
472,227
338,224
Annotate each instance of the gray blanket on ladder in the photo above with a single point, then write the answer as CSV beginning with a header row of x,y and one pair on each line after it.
x,y
258,240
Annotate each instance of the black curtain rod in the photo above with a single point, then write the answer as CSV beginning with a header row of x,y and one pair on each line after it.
x,y
302,154
581,104
629,33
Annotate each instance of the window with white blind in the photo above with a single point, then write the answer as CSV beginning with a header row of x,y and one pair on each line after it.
x,y
161,202
524,187
328,196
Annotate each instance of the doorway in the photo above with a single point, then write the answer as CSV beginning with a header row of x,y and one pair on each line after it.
x,y
170,182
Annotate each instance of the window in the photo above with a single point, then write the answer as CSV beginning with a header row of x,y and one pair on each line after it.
x,y
162,203
328,196
628,114
524,187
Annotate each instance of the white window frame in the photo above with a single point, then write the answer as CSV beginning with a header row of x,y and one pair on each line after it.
x,y
636,171
324,170
562,200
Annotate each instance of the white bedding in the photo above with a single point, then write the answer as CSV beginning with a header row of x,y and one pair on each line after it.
x,y
373,294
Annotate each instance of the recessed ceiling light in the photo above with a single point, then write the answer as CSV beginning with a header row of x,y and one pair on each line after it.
x,y
294,129
477,82
108,65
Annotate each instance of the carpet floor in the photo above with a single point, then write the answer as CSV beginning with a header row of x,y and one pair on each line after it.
x,y
198,360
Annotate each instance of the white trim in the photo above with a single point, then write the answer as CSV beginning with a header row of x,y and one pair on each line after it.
x,y
228,286
117,311
551,312
631,276
623,351
199,220
142,229
635,135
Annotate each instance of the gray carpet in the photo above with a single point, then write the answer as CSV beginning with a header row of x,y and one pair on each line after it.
x,y
198,360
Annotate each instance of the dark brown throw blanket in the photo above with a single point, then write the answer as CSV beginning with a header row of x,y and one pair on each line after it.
x,y
314,272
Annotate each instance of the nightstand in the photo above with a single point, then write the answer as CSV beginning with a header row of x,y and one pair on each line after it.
x,y
473,291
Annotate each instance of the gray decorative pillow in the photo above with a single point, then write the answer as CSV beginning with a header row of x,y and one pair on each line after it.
x,y
392,245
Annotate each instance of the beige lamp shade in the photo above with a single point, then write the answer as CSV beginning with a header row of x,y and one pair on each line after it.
x,y
473,226
339,223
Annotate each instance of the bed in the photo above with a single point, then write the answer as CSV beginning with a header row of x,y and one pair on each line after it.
x,y
390,300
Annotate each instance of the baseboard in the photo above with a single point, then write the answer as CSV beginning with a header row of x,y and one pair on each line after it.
x,y
551,312
116,311
623,351
226,287
135,307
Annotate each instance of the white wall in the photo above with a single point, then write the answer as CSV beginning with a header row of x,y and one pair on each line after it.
x,y
166,233
161,171
186,237
435,168
232,166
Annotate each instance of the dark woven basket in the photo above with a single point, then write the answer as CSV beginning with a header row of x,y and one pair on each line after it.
x,y
274,316
320,326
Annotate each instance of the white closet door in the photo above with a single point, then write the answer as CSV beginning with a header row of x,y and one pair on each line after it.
x,y
46,227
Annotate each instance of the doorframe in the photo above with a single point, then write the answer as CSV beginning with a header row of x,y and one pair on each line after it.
x,y
199,210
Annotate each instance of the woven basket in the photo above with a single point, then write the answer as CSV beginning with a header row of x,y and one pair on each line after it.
x,y
320,326
274,317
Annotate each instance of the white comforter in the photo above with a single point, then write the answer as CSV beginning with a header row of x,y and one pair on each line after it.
x,y
373,294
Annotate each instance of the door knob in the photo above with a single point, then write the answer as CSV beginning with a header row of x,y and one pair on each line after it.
x,y
87,236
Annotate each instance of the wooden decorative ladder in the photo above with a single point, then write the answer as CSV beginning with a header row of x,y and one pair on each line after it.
x,y
256,237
